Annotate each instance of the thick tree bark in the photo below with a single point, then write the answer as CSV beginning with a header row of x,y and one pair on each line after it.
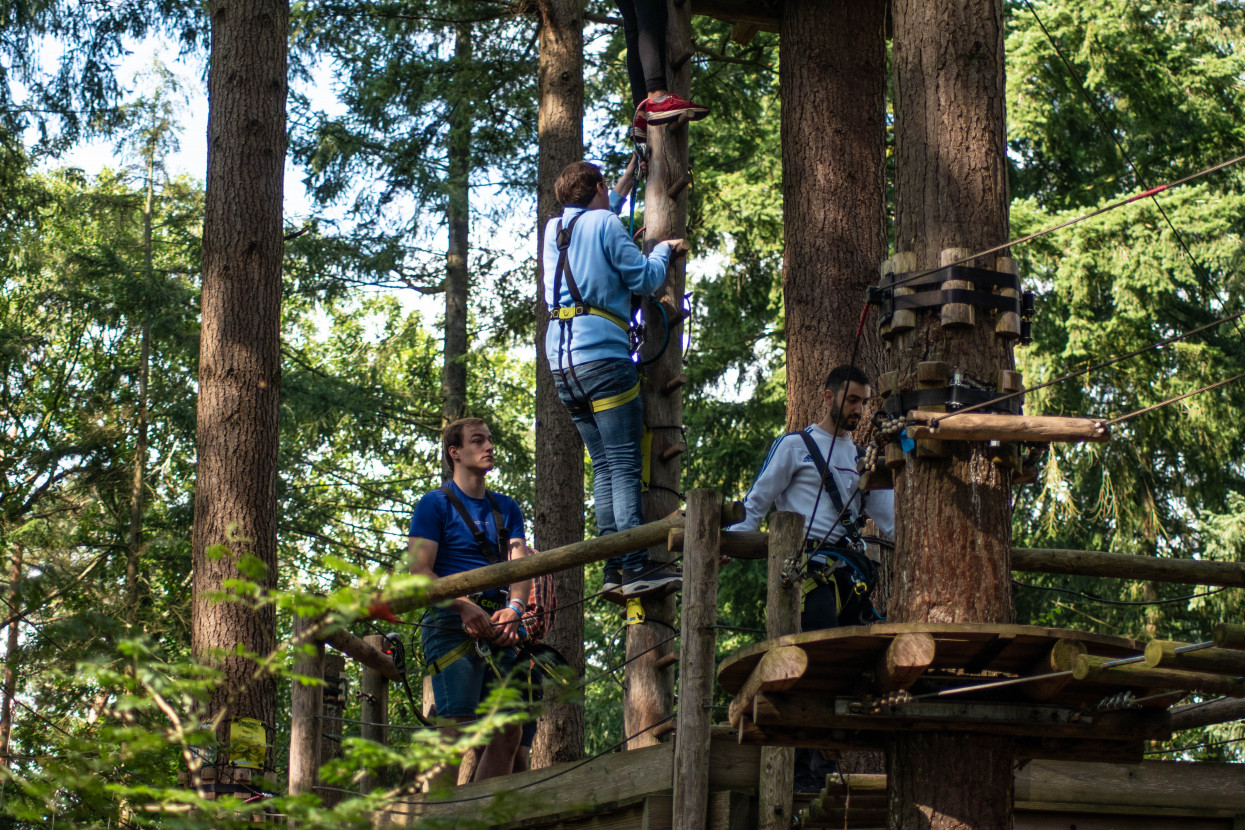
x,y
458,159
833,84
10,660
559,518
954,530
239,358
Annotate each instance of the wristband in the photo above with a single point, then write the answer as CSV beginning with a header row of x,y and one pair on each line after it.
x,y
522,606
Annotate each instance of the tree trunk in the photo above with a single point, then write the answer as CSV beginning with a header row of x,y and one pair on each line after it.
x,y
135,540
239,358
559,516
649,694
458,160
954,530
833,84
10,660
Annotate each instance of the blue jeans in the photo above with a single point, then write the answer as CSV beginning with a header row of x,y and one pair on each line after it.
x,y
613,440
460,688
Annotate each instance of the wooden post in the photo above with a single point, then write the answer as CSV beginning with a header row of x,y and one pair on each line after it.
x,y
782,616
305,708
696,659
332,729
649,694
374,711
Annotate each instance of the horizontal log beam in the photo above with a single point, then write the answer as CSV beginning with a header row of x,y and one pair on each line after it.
x,y
761,13
738,544
573,555
751,544
1089,667
977,426
1229,635
1164,654
1128,566
365,653
1197,715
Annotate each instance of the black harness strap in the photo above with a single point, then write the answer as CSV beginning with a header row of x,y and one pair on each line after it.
x,y
491,553
831,486
563,241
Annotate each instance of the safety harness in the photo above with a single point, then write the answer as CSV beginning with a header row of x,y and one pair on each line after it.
x,y
490,552
846,555
565,315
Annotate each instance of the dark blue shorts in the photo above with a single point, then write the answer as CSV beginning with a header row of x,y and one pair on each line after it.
x,y
465,682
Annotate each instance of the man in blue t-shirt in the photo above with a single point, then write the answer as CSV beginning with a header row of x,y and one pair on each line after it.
x,y
441,543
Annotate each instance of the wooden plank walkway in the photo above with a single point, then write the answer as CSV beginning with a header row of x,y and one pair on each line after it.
x,y
633,790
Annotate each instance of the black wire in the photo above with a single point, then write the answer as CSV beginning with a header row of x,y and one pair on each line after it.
x,y
1175,338
1093,103
1093,598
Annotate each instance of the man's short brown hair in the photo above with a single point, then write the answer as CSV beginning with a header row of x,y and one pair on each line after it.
x,y
577,184
452,436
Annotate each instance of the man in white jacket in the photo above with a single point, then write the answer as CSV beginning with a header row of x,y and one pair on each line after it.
x,y
813,472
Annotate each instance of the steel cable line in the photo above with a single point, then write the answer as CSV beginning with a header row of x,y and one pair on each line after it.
x,y
1153,191
1095,367
1161,404
1093,103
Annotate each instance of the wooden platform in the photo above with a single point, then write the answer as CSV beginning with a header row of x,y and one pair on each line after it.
x,y
633,790
840,688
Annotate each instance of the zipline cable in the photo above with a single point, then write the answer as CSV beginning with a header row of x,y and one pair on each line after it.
x,y
1095,367
1111,131
1073,221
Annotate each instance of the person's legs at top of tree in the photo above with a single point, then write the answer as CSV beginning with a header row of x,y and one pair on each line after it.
x,y
644,27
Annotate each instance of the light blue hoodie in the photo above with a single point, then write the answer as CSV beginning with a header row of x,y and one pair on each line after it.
x,y
608,269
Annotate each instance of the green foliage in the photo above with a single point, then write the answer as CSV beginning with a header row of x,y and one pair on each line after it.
x,y
1167,78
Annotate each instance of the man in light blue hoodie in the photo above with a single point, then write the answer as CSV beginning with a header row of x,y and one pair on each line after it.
x,y
591,270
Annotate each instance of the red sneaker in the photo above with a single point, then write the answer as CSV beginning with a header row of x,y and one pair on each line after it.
x,y
670,108
639,128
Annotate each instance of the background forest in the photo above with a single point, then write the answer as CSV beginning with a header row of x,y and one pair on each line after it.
x,y
419,161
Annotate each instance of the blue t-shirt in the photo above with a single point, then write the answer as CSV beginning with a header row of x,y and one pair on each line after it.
x,y
436,519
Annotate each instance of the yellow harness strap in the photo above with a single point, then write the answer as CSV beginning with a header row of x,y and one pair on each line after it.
x,y
446,660
616,400
570,312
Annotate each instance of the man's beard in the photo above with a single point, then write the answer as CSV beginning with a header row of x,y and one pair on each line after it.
x,y
849,423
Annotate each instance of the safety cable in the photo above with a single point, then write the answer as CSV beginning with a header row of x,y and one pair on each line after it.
x,y
1093,598
1017,681
1074,221
1102,119
937,418
1207,745
1152,407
